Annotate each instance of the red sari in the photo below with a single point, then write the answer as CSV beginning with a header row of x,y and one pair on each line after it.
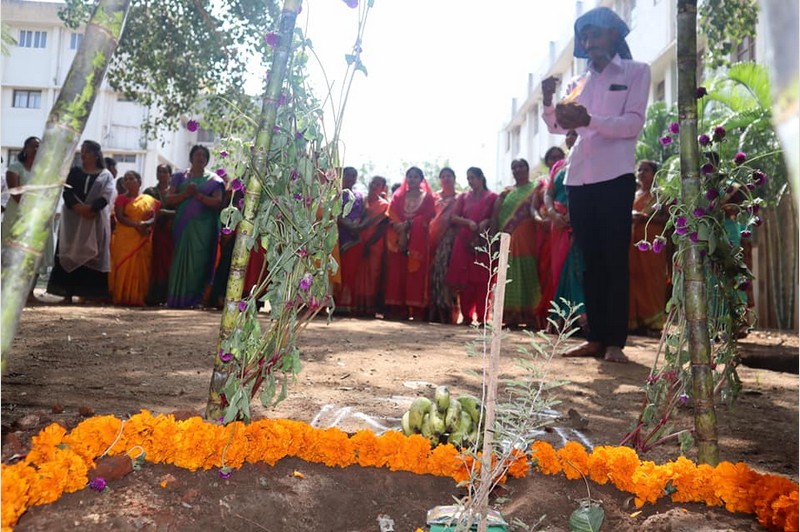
x,y
407,266
468,270
362,262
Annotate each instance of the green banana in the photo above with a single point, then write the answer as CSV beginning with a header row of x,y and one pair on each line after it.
x,y
419,408
437,422
425,427
442,398
458,436
471,405
453,416
406,427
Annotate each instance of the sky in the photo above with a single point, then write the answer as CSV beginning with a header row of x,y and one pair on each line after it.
x,y
441,76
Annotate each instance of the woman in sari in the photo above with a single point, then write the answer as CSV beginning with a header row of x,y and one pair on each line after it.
x,y
349,252
444,308
408,247
162,238
132,244
197,197
468,271
566,259
548,278
648,270
371,250
83,252
514,215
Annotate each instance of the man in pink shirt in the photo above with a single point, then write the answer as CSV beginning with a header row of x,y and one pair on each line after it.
x,y
606,105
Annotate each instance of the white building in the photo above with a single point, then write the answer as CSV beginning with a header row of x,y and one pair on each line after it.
x,y
651,40
35,70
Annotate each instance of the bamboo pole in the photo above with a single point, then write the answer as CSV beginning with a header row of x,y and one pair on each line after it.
x,y
694,284
24,246
491,381
252,198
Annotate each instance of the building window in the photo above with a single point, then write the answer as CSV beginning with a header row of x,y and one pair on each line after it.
x,y
745,51
32,39
27,99
126,158
515,140
75,40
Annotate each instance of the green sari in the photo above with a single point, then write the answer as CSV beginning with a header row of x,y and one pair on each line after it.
x,y
195,232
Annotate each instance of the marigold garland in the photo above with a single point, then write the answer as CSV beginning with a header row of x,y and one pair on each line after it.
x,y
59,462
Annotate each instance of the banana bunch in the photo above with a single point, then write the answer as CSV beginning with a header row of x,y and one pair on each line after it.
x,y
443,420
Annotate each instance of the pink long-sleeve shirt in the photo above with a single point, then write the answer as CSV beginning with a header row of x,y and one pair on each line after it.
x,y
616,99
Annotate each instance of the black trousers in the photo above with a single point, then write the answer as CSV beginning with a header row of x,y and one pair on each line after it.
x,y
600,215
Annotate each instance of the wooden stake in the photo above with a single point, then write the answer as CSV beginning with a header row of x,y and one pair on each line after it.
x,y
491,380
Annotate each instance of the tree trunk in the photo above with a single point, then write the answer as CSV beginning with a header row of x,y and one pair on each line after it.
x,y
23,248
694,284
241,255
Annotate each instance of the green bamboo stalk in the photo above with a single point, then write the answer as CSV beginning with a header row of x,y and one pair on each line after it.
x,y
253,192
24,246
694,285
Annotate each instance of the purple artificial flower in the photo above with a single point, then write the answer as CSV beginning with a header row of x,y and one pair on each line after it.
x,y
242,305
299,136
665,140
225,357
226,230
276,129
674,128
221,172
746,233
683,399
759,178
704,140
712,194
699,212
351,3
271,39
659,243
313,304
294,174
681,221
757,221
719,133
694,237
302,253
707,168
652,379
701,92
223,154
681,230
745,285
192,125
740,158
237,184
225,473
297,196
305,282
754,208
643,245
703,252
240,204
97,484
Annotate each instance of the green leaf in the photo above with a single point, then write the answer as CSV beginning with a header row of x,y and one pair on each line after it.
x,y
587,518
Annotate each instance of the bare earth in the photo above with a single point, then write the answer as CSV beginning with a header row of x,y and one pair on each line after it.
x,y
356,374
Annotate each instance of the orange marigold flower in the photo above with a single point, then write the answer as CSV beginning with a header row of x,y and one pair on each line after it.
x,y
366,449
519,466
616,464
545,458
574,460
445,461
45,444
731,483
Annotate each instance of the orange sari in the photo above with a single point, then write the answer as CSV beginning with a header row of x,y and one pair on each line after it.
x,y
132,252
648,271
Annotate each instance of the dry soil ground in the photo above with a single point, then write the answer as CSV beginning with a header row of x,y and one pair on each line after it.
x,y
356,374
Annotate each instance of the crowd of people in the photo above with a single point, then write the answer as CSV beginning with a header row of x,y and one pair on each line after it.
x,y
412,253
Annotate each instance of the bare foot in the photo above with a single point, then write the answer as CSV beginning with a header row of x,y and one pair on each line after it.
x,y
615,354
586,349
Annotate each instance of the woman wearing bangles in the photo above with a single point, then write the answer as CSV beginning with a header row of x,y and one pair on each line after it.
x,y
196,196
